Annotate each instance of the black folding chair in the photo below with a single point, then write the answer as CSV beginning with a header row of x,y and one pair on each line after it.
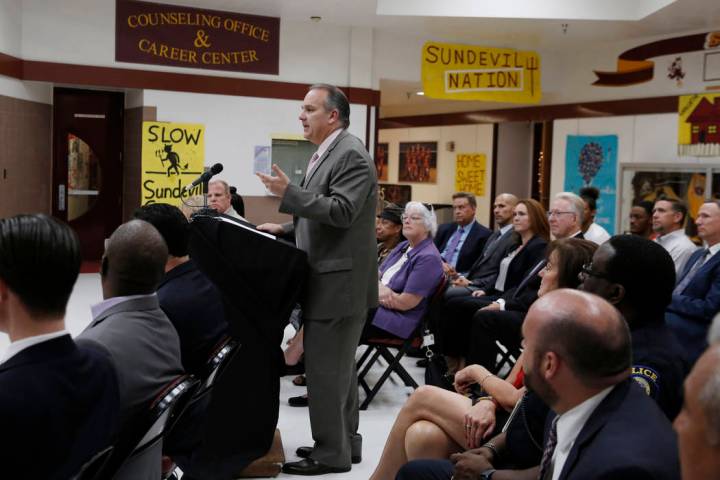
x,y
147,431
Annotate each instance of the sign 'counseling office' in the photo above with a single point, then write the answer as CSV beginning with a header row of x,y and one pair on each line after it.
x,y
194,38
467,72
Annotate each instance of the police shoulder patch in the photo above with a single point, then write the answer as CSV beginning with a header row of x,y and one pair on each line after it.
x,y
647,378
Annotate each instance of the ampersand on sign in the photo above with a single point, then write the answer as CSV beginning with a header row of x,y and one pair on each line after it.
x,y
202,39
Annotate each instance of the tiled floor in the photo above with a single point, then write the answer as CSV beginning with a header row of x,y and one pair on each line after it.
x,y
294,423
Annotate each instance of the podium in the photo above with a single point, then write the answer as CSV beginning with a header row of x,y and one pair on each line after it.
x,y
261,279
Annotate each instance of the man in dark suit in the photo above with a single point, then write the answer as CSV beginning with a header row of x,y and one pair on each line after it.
x,y
140,340
58,401
696,298
577,360
460,243
191,302
334,222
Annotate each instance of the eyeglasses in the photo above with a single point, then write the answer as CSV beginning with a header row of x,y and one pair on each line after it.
x,y
587,271
412,218
557,213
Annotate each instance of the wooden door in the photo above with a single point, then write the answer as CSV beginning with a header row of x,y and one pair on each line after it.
x,y
87,164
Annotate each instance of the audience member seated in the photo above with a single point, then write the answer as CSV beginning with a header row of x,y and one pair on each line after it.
x,y
531,232
186,295
668,221
566,216
58,401
220,199
641,219
408,277
461,242
591,230
503,321
620,272
129,324
435,422
483,273
388,230
696,298
698,425
578,359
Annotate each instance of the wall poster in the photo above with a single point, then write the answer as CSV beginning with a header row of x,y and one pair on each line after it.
x,y
381,161
699,125
592,161
470,170
418,162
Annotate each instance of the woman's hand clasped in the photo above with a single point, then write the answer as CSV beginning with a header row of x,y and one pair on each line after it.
x,y
479,423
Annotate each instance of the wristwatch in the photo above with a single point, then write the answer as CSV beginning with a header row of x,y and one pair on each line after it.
x,y
487,474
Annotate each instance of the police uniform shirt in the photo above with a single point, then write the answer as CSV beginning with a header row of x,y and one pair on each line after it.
x,y
659,367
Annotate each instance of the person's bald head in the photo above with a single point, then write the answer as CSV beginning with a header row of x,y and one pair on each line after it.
x,y
503,208
134,260
584,331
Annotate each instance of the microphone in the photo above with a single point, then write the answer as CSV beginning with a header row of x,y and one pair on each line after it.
x,y
206,176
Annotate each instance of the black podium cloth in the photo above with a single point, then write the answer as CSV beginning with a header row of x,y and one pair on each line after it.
x,y
261,280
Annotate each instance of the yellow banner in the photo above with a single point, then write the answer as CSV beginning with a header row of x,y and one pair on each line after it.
x,y
699,125
173,155
467,72
470,173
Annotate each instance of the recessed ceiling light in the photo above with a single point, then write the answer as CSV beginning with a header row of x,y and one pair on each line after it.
x,y
316,18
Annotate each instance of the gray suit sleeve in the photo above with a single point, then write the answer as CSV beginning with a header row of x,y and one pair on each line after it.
x,y
349,186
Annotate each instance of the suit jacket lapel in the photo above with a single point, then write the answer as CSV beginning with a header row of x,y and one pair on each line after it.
x,y
596,421
488,253
324,156
534,271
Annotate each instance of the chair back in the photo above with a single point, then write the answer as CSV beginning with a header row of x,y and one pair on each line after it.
x,y
148,430
221,356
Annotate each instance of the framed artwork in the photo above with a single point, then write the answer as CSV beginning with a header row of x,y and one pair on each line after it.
x,y
418,162
397,194
381,162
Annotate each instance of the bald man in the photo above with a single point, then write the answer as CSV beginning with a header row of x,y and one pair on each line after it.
x,y
132,329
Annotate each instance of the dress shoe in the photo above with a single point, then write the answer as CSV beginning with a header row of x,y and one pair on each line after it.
x,y
299,401
304,452
309,466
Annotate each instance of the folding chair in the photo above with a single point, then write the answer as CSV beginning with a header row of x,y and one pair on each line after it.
x,y
147,431
380,347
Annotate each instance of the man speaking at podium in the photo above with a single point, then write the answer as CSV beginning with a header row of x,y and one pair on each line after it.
x,y
333,212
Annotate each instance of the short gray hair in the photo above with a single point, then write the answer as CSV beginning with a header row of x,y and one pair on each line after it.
x,y
577,204
225,185
336,100
429,218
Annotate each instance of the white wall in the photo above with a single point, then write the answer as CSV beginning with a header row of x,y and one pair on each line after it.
x,y
642,139
234,125
10,27
467,138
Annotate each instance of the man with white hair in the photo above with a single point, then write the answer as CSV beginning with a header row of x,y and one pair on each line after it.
x,y
698,425
566,216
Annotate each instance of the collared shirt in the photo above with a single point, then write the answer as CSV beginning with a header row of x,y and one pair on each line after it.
x,y
679,246
713,250
100,308
395,267
19,345
322,148
231,212
452,257
503,230
569,425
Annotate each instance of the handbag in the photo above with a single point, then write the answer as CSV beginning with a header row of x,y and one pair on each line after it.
x,y
436,372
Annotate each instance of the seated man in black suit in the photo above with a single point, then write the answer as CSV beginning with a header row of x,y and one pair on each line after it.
x,y
129,324
192,303
461,242
578,361
58,401
620,273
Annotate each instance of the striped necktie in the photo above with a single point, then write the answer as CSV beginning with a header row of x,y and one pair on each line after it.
x,y
546,466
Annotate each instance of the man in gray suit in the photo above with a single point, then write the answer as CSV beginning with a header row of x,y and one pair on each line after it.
x,y
334,222
139,339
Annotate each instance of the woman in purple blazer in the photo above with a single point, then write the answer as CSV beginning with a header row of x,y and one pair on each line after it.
x,y
408,277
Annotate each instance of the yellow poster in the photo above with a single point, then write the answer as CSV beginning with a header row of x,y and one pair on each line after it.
x,y
699,125
468,72
470,173
173,155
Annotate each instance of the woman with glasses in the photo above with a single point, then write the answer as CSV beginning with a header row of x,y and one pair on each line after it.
x,y
435,423
408,277
532,233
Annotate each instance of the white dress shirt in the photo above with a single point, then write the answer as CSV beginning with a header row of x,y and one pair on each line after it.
x,y
597,234
569,425
394,268
679,246
19,345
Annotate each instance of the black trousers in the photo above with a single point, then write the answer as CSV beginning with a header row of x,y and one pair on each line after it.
x,y
486,327
454,322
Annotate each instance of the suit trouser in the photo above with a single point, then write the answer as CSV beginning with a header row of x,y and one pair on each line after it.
x,y
426,470
330,346
488,326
